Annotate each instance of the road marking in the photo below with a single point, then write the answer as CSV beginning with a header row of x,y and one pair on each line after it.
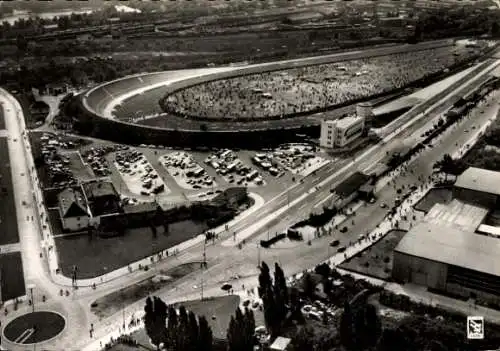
x,y
25,335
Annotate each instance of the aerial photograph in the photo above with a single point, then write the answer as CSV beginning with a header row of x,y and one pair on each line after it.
x,y
265,175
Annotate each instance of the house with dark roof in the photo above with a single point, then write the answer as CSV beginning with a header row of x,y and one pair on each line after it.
x,y
73,210
101,197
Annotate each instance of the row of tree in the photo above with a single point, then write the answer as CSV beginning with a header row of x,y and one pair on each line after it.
x,y
181,330
176,330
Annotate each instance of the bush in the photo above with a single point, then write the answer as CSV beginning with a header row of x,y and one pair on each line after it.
x,y
387,259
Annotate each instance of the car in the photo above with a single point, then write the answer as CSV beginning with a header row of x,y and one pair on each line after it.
x,y
341,249
335,243
372,200
383,205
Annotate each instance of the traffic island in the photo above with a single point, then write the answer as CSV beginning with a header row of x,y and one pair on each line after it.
x,y
34,328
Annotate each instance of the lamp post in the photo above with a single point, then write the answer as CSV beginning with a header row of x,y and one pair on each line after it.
x,y
31,287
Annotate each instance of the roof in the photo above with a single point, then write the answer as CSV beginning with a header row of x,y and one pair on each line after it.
x,y
351,184
98,189
479,179
280,343
457,214
72,203
452,246
347,122
141,207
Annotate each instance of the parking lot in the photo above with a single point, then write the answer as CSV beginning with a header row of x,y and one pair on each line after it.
x,y
186,171
138,174
299,159
235,172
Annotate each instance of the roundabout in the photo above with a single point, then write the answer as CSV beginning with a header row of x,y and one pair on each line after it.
x,y
34,327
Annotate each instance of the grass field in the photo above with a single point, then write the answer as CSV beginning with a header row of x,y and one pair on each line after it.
x,y
376,261
433,196
9,233
12,282
114,302
101,255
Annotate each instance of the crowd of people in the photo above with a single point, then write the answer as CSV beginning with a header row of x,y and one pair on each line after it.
x,y
278,94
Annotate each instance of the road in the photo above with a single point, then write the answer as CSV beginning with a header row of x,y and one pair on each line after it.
x,y
223,261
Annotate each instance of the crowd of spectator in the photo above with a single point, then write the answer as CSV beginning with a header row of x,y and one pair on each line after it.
x,y
277,94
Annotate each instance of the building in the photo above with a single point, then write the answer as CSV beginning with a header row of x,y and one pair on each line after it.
x,y
449,259
453,250
340,132
478,186
73,210
280,344
365,110
101,197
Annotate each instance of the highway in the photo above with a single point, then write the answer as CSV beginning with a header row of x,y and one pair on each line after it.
x,y
224,261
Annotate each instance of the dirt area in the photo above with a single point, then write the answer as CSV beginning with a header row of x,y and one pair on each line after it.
x,y
433,196
76,165
112,303
376,261
186,171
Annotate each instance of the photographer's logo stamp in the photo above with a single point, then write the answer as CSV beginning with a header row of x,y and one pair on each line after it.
x,y
475,327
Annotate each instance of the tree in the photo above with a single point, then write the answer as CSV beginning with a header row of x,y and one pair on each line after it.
x,y
360,326
240,334
187,332
308,285
304,339
205,336
346,327
155,320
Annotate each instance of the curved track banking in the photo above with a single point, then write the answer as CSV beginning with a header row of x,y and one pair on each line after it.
x,y
101,100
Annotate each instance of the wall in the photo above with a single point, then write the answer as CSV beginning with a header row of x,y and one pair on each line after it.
x,y
475,197
407,268
76,223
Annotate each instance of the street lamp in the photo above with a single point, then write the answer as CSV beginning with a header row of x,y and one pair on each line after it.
x,y
30,288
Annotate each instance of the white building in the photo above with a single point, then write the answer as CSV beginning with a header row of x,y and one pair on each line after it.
x,y
73,210
340,132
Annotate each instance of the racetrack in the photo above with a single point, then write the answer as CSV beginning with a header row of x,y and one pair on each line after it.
x,y
174,130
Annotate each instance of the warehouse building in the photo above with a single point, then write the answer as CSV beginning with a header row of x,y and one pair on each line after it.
x,y
449,259
340,132
478,186
452,250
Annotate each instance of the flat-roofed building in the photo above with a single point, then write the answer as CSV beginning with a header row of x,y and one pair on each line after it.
x,y
478,186
340,132
449,259
457,214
